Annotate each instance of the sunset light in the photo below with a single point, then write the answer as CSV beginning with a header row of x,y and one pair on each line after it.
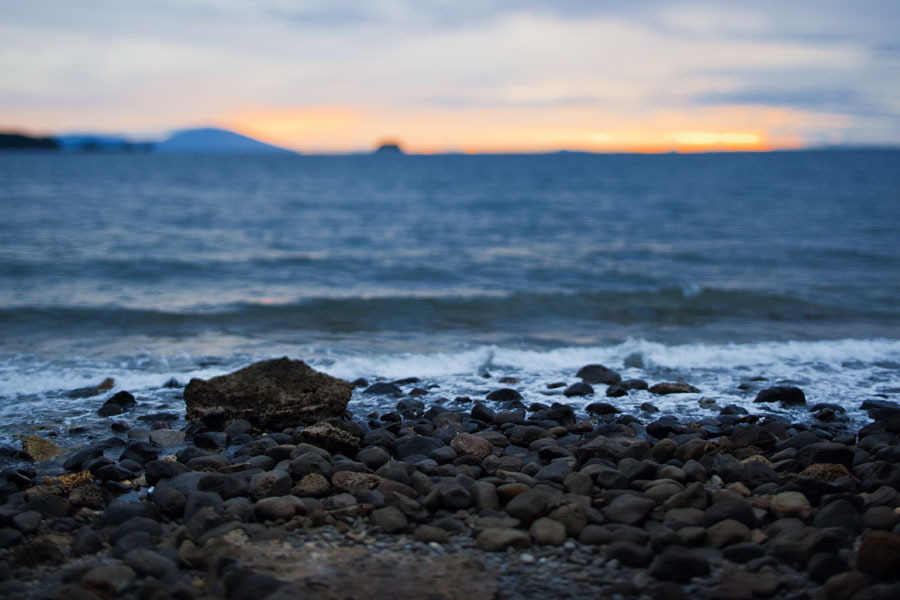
x,y
493,77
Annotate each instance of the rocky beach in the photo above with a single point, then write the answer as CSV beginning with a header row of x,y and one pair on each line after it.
x,y
278,487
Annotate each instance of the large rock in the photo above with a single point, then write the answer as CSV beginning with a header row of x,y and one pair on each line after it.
x,y
272,394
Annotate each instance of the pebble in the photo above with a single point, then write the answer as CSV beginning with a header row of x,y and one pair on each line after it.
x,y
588,509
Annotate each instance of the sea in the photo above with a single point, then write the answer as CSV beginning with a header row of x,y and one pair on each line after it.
x,y
729,271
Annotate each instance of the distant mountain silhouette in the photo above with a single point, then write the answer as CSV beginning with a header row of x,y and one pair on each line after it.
x,y
213,141
17,141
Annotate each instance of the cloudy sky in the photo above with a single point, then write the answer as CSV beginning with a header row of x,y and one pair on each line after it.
x,y
470,75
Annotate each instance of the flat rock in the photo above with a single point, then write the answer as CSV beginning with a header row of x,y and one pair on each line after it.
x,y
36,448
352,482
272,394
166,437
668,387
498,539
328,437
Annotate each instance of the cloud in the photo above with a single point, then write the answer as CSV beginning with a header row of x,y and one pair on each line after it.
x,y
836,100
176,63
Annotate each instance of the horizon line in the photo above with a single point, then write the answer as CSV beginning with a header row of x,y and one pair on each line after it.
x,y
152,139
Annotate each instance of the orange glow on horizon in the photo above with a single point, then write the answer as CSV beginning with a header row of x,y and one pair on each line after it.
x,y
525,130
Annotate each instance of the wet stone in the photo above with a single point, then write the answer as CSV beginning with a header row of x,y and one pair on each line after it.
x,y
274,508
739,510
598,374
823,565
879,554
109,579
783,394
628,509
579,389
86,541
527,506
74,461
840,514
167,437
27,521
150,564
666,388
727,532
498,539
881,517
743,552
677,563
844,586
630,554
546,531
504,395
390,519
790,504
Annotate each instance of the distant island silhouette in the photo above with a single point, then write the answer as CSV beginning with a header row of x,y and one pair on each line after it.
x,y
389,147
18,141
213,140
205,140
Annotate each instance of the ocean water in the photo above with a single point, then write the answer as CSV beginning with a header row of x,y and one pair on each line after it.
x,y
729,271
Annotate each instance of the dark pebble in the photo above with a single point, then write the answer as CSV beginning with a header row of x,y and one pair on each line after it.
x,y
598,374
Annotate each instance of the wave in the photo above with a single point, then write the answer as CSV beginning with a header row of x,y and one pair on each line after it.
x,y
832,354
845,371
453,311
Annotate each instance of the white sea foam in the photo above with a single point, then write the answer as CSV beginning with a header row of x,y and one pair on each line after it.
x,y
843,372
652,354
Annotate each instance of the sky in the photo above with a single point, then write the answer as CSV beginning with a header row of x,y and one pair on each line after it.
x,y
460,75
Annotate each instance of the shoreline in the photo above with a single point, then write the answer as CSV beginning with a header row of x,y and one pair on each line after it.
x,y
499,499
